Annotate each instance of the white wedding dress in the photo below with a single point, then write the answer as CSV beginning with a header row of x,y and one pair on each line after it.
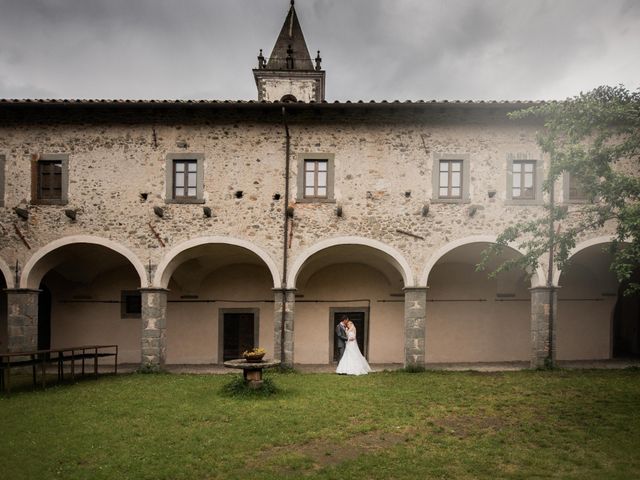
x,y
352,361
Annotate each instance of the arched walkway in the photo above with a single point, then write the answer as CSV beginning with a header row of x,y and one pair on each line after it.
x,y
470,316
389,254
180,253
88,294
220,299
353,276
7,274
42,261
595,319
537,279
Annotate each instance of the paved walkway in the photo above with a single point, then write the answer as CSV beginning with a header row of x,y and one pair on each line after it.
x,y
378,367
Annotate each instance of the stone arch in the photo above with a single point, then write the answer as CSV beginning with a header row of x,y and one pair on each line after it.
x,y
582,246
167,266
536,279
6,273
397,259
32,275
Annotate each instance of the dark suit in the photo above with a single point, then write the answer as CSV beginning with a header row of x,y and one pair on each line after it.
x,y
341,333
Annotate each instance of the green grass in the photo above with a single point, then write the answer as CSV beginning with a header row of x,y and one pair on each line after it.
x,y
520,425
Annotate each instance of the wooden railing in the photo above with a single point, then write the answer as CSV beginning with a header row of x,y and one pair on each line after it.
x,y
39,360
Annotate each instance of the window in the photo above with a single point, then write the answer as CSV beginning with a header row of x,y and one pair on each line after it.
x,y
451,178
2,161
573,190
185,178
315,177
524,174
50,179
523,185
130,304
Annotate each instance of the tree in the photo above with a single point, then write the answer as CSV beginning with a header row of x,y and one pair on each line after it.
x,y
595,138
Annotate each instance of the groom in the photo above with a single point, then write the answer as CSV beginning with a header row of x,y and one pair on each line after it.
x,y
341,333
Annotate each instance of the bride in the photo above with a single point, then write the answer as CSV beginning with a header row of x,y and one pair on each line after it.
x,y
352,361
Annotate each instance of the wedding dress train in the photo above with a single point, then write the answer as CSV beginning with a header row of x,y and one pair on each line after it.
x,y
352,361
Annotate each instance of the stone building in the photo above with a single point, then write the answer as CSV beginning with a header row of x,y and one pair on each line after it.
x,y
186,231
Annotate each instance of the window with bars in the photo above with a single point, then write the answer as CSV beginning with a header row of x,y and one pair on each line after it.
x,y
523,185
315,178
450,179
185,179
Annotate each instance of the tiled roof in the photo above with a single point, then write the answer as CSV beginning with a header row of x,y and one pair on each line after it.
x,y
53,101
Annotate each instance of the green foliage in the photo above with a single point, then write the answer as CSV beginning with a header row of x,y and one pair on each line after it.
x,y
238,387
595,137
413,369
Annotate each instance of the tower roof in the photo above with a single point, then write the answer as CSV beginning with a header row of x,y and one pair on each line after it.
x,y
290,51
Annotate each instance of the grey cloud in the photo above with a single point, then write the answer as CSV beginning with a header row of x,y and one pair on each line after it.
x,y
457,49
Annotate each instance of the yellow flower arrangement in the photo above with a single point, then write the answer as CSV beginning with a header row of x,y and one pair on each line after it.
x,y
254,352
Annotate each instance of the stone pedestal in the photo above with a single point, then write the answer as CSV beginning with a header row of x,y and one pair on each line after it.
x,y
22,319
154,323
284,300
415,303
544,315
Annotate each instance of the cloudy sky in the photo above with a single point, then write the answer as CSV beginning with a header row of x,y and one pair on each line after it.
x,y
371,49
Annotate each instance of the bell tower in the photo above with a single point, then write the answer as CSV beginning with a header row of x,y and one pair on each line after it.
x,y
289,74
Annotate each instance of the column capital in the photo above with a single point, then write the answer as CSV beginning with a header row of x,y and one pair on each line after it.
x,y
19,291
545,288
415,289
284,290
153,290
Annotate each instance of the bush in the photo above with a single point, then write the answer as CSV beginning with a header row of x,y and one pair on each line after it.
x,y
239,387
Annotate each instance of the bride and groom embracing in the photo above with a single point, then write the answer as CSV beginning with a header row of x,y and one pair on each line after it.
x,y
352,362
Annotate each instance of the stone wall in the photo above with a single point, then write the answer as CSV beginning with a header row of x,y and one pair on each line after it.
x,y
383,170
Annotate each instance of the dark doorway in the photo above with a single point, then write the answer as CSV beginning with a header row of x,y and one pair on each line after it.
x,y
44,318
626,323
360,318
238,333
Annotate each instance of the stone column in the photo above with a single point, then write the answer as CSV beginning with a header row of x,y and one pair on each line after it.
x,y
154,323
22,319
415,307
544,315
285,300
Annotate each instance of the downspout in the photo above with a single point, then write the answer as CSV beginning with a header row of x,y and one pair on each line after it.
x,y
549,362
285,237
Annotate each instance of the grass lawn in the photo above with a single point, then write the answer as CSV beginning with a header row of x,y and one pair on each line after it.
x,y
530,424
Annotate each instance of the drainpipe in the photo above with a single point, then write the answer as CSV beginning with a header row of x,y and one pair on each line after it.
x,y
550,273
285,242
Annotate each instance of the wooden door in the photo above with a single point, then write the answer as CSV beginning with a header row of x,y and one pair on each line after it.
x,y
238,334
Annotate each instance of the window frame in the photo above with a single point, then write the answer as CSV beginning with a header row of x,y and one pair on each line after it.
x,y
37,161
526,194
465,177
170,177
123,303
538,173
301,183
3,160
566,191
